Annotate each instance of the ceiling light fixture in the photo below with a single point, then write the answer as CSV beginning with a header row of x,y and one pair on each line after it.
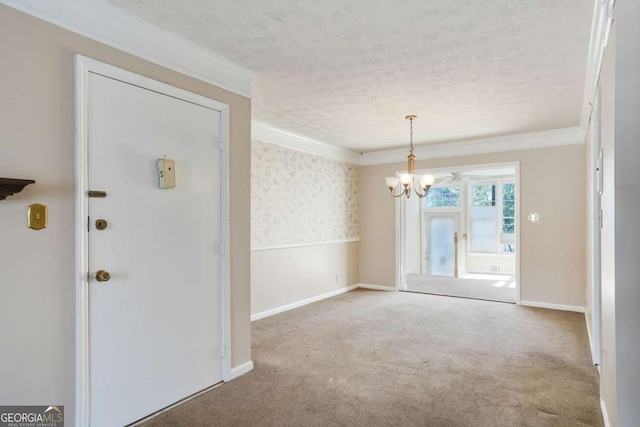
x,y
406,180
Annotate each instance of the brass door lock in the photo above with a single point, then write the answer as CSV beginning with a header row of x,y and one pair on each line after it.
x,y
102,276
101,224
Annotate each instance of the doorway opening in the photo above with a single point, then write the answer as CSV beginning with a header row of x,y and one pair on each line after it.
x,y
462,239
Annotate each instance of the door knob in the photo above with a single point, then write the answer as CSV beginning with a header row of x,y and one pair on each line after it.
x,y
101,224
102,276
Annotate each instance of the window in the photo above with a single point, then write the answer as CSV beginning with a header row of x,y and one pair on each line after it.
x,y
443,197
507,238
484,195
492,218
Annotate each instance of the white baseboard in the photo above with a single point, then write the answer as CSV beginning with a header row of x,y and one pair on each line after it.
x,y
605,417
240,370
551,306
375,287
174,405
297,304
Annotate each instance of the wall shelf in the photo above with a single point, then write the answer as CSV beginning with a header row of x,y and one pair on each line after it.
x,y
11,186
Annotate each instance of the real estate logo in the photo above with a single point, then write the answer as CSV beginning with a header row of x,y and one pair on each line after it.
x,y
32,416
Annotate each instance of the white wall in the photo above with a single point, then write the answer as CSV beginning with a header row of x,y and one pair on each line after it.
x,y
305,226
478,263
608,363
621,235
620,133
627,210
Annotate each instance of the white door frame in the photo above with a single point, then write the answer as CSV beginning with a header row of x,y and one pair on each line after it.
x,y
400,229
83,67
596,188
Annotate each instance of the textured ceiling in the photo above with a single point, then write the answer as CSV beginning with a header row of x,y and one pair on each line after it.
x,y
347,72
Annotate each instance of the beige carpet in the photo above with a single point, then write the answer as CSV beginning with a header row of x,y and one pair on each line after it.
x,y
492,290
371,358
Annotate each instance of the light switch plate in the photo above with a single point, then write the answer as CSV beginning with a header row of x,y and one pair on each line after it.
x,y
533,217
37,216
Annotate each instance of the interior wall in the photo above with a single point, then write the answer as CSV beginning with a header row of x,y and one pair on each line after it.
x,y
620,86
552,251
608,249
304,226
284,277
589,233
38,277
479,263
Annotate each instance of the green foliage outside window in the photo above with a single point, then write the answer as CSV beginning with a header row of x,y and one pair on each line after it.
x,y
484,195
443,197
508,208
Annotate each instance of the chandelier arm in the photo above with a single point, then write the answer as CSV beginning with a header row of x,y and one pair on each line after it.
x,y
404,192
422,196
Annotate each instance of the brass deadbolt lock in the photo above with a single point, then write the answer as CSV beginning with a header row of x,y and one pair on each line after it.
x,y
102,276
101,224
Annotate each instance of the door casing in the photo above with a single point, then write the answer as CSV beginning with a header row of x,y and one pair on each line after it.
x,y
83,67
596,190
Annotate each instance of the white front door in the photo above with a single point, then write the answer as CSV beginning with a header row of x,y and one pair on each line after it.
x,y
155,325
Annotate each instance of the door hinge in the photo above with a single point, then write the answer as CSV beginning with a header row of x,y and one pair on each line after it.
x,y
88,224
221,248
221,144
223,351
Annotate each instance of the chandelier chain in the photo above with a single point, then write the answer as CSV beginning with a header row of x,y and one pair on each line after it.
x,y
411,143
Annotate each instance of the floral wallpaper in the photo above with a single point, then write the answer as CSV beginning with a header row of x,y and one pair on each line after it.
x,y
300,198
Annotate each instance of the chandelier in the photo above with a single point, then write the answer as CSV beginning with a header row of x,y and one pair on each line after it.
x,y
408,179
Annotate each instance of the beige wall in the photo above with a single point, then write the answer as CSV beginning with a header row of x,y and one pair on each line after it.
x,y
37,277
280,277
552,251
303,208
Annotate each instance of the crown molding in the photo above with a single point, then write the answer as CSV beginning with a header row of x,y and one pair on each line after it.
x,y
603,13
273,135
108,24
525,141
